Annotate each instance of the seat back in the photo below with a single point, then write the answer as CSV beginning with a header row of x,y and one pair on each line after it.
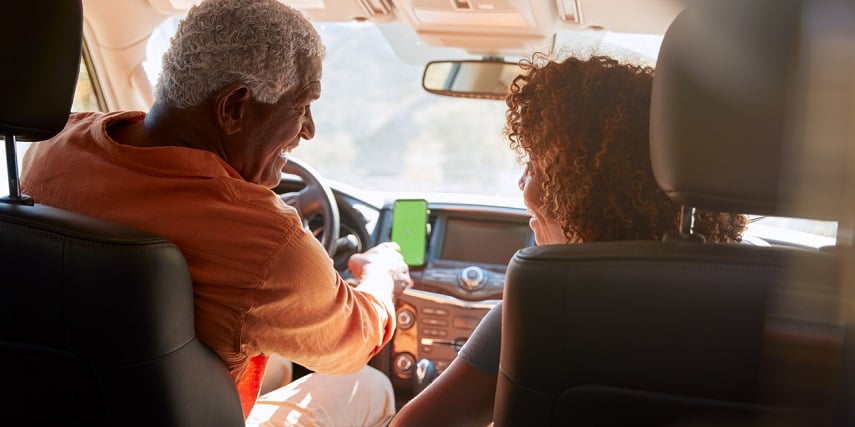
x,y
96,319
683,332
650,333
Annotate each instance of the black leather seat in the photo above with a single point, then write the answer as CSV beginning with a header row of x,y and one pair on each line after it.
x,y
682,332
96,319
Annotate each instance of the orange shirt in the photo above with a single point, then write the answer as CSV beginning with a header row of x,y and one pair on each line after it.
x,y
262,284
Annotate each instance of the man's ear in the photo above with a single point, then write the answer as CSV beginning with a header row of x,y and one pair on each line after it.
x,y
231,103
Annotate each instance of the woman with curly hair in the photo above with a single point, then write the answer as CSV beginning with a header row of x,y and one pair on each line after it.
x,y
581,126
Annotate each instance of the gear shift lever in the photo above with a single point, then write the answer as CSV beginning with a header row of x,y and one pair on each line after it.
x,y
425,374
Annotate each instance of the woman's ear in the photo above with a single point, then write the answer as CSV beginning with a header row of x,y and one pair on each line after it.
x,y
231,105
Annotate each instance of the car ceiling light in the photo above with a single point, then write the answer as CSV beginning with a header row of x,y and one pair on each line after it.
x,y
472,13
569,11
376,7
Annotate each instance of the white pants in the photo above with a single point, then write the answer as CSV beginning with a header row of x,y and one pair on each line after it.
x,y
361,399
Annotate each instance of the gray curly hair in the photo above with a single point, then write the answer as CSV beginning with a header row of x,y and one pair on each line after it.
x,y
255,42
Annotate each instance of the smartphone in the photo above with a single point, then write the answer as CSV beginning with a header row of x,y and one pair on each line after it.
x,y
409,229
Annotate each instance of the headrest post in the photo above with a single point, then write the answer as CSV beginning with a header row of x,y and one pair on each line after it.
x,y
15,197
687,220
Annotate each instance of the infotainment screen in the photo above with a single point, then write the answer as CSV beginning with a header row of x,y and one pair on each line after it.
x,y
483,242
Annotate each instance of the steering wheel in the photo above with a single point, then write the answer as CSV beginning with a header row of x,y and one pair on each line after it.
x,y
314,200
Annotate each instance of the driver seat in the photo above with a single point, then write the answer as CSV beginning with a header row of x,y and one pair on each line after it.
x,y
96,318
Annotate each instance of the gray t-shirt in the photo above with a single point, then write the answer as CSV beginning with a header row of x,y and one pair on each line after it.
x,y
483,347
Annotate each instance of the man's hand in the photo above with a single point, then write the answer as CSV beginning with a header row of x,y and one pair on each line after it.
x,y
383,258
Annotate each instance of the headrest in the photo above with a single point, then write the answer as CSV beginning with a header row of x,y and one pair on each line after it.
x,y
724,109
40,44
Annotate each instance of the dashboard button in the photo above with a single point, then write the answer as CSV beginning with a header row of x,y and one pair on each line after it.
x,y
435,332
434,321
465,322
435,311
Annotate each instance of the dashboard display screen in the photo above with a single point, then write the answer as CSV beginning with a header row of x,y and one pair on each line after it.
x,y
483,242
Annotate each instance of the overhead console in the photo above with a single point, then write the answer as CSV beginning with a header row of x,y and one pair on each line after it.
x,y
481,26
505,28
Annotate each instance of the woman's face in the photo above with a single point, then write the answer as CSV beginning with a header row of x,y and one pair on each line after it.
x,y
546,230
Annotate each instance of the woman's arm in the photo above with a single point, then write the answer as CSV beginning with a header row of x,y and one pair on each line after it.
x,y
461,396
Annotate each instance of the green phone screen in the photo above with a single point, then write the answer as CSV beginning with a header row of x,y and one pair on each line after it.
x,y
409,229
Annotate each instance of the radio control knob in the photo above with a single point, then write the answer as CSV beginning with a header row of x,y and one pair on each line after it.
x,y
406,318
404,364
472,278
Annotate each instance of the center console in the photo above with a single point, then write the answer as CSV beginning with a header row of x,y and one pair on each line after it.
x,y
467,252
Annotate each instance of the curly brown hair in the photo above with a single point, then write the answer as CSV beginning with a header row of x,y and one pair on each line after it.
x,y
582,125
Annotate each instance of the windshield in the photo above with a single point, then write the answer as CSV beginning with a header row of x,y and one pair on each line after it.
x,y
377,129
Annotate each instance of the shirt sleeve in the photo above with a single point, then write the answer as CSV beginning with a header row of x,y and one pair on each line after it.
x,y
483,347
307,313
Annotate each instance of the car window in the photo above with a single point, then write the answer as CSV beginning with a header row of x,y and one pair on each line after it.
x,y
800,232
86,94
85,99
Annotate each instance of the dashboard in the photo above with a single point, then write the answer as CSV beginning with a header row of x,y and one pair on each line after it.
x,y
468,245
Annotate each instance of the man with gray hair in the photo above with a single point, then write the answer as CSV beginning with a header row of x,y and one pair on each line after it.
x,y
234,97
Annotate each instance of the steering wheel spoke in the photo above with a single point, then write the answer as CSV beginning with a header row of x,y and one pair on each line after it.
x,y
315,199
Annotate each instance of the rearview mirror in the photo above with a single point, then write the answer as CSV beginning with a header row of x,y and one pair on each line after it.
x,y
489,79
